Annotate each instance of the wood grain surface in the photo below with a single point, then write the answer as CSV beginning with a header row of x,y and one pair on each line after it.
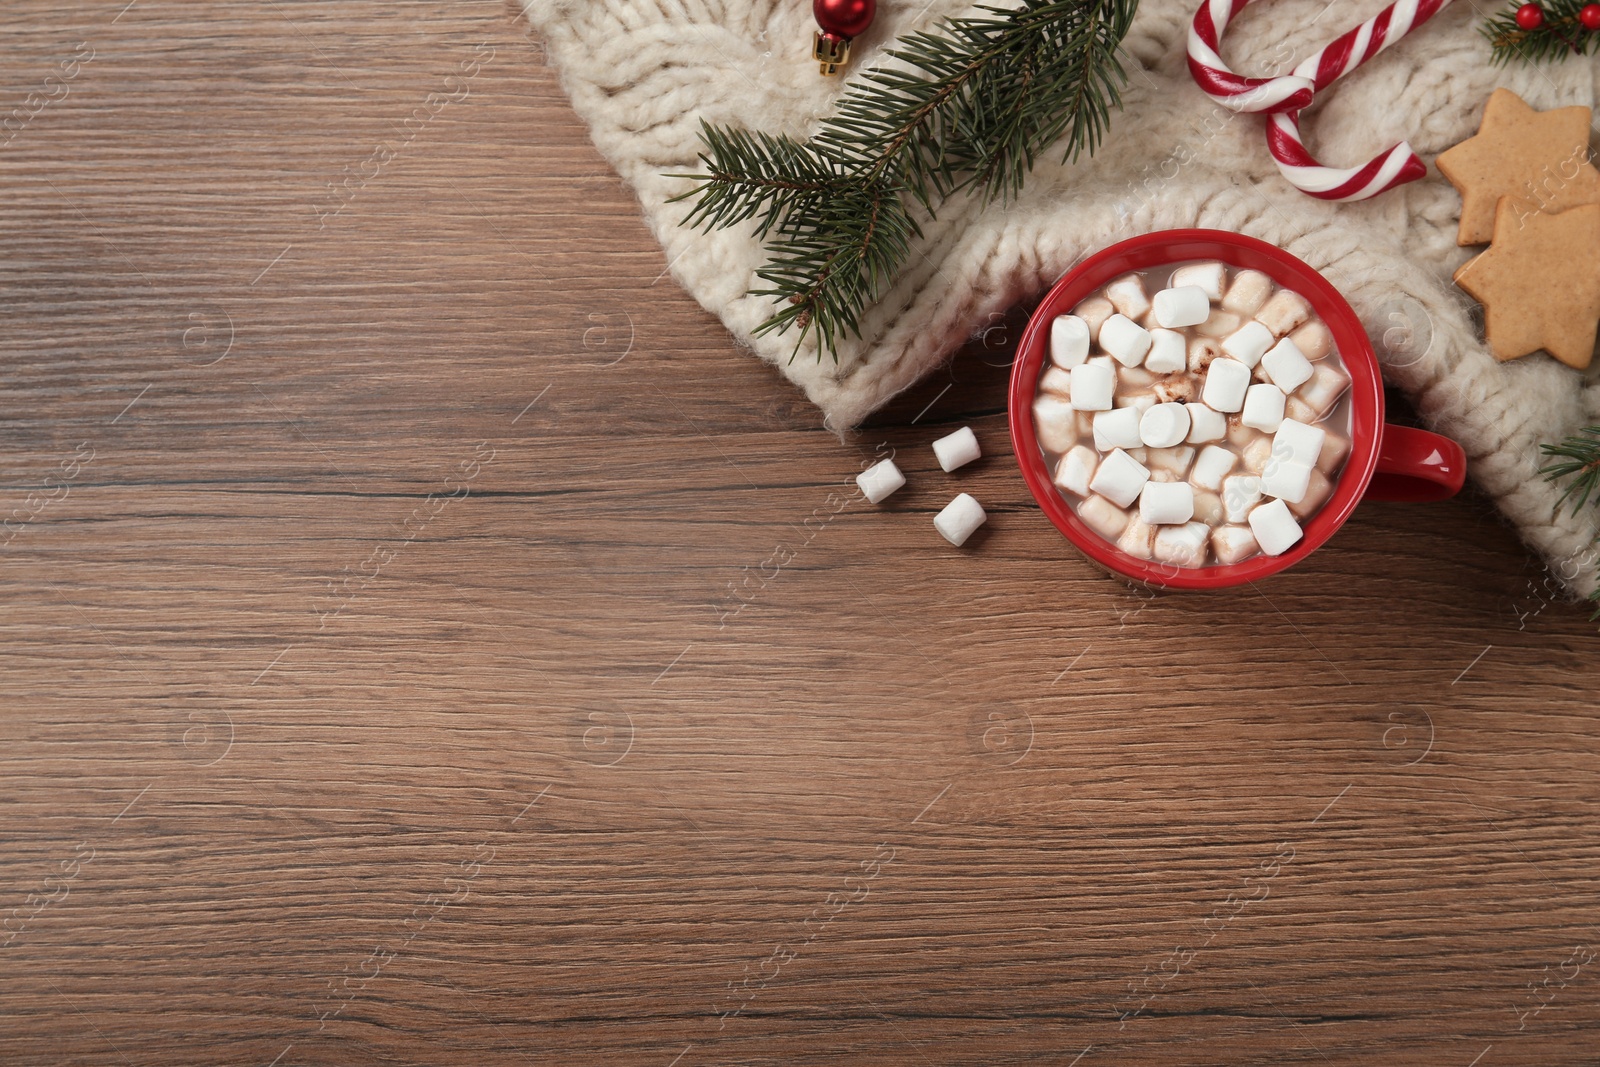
x,y
429,640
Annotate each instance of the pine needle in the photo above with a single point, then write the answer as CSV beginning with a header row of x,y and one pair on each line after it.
x,y
1559,36
1577,461
967,108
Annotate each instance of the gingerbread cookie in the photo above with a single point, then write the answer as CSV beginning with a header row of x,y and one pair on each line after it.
x,y
1539,282
1541,159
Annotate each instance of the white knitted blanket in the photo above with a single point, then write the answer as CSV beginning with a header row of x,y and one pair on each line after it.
x,y
643,73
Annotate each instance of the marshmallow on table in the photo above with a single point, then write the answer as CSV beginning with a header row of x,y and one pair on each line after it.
x,y
1248,292
1205,424
1184,305
1075,470
1287,366
1210,277
956,449
1137,539
1165,503
1226,382
1214,464
1069,341
1094,311
1125,340
1274,527
1284,312
1314,340
1168,352
959,519
1232,543
1056,380
1184,546
879,480
1056,423
1326,386
1297,442
1103,517
1263,407
1240,493
1127,295
1117,429
1092,386
1164,425
1286,479
1248,343
1119,478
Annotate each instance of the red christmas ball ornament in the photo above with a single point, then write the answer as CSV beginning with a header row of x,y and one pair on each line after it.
x,y
844,18
1590,16
1530,17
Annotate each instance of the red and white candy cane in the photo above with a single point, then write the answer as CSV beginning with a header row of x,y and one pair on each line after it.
x,y
1285,96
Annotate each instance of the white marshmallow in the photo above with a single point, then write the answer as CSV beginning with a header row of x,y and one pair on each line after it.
x,y
1184,305
1069,341
1231,544
1173,461
1286,480
1240,493
1208,276
1174,389
1287,366
959,519
1164,425
1130,379
1168,352
1208,508
1219,324
957,449
1103,517
1184,546
1119,478
1205,424
1137,539
1248,292
879,480
1092,386
1333,452
1055,380
1094,311
1226,382
1248,343
1275,529
1297,442
1125,340
1284,312
1117,429
1165,503
1326,386
1215,463
1202,350
1127,295
1263,407
1257,454
1055,422
1075,470
1314,340
1318,490
1140,403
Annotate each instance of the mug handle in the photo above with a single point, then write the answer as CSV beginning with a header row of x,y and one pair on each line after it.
x,y
1416,466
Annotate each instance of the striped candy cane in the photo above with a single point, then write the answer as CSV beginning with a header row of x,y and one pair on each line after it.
x,y
1396,166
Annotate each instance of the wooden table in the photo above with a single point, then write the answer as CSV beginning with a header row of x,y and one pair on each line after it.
x,y
428,640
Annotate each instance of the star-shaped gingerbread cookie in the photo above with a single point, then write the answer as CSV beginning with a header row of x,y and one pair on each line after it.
x,y
1539,282
1541,158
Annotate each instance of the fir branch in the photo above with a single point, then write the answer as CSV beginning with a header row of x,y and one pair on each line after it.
x,y
1577,460
967,108
1559,36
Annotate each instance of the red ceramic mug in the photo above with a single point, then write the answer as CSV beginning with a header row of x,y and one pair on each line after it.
x,y
1385,462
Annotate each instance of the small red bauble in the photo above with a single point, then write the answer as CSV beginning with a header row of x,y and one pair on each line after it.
x,y
1590,16
1530,16
846,18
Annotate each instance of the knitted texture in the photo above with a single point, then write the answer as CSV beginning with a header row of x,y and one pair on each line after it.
x,y
643,73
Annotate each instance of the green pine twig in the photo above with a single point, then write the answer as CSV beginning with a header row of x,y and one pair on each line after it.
x,y
1576,460
1559,36
967,108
